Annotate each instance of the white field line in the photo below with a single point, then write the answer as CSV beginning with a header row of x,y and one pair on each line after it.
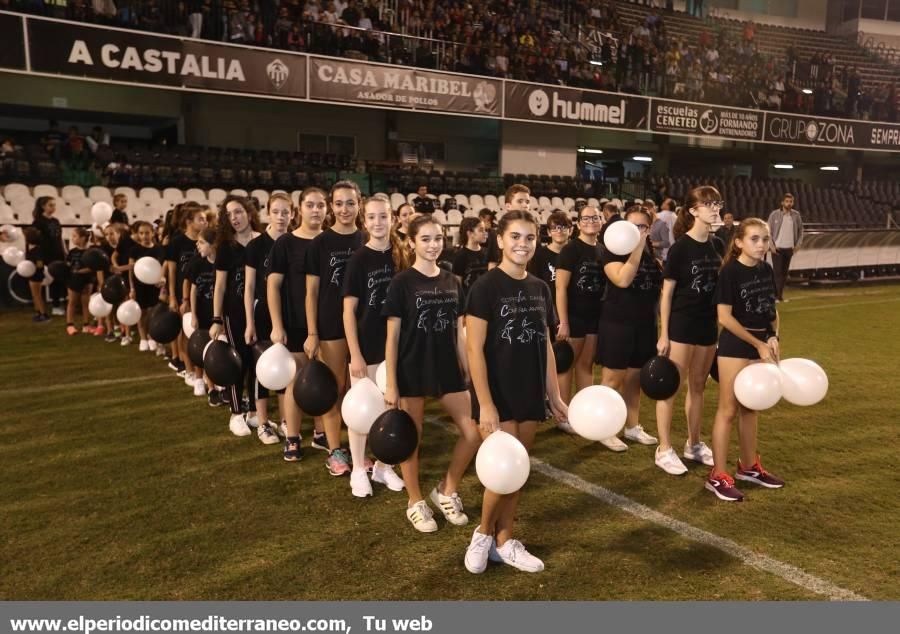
x,y
58,387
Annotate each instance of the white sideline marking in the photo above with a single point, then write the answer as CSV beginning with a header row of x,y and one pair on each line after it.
x,y
787,311
57,387
787,572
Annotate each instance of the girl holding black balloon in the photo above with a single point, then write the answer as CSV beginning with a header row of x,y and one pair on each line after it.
x,y
34,253
201,274
627,333
508,321
146,295
256,307
326,260
53,247
238,225
286,295
369,271
745,299
425,357
79,283
688,328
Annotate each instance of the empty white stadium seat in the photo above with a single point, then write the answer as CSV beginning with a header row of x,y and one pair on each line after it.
x,y
149,193
23,207
45,190
397,200
15,190
6,214
195,194
556,203
477,202
173,195
66,214
543,203
568,203
462,200
261,196
454,217
239,192
593,202
545,215
471,212
490,201
216,195
128,191
72,193
411,197
440,216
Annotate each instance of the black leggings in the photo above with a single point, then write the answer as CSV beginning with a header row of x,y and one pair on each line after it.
x,y
57,292
234,333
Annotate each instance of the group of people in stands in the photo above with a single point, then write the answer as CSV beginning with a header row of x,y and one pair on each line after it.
x,y
351,282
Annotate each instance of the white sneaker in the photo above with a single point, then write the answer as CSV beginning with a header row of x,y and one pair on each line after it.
x,y
477,552
153,345
514,554
56,310
669,462
267,435
614,444
638,435
199,387
385,474
566,426
144,346
699,453
283,432
126,341
238,425
189,379
252,420
451,506
422,517
160,350
360,486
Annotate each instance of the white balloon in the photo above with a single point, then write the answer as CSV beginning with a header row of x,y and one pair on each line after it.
x,y
98,306
804,381
13,255
381,376
148,270
502,463
597,412
26,268
621,237
363,403
101,212
128,313
11,232
276,367
758,386
188,328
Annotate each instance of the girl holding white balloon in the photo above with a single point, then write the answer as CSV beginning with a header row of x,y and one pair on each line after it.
x,y
509,316
145,293
425,356
369,272
119,238
745,298
286,294
627,330
688,328
256,307
79,285
52,246
33,253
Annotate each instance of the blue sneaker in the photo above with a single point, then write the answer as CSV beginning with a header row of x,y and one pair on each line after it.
x,y
292,450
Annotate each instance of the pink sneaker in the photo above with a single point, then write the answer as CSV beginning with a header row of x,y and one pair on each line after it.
x,y
338,463
71,330
99,331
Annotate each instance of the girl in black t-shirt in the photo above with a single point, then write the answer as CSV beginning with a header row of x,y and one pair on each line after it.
x,y
286,295
579,293
546,258
238,225
52,246
425,356
402,215
470,261
745,298
688,326
146,295
200,274
256,308
79,284
34,253
117,236
627,333
369,272
326,260
509,315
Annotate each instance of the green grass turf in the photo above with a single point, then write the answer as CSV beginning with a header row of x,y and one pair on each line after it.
x,y
136,490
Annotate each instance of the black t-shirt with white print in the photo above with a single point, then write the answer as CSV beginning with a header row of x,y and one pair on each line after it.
x,y
543,266
469,265
289,259
180,250
695,268
428,308
259,256
585,291
231,258
202,274
636,302
518,314
750,291
327,258
367,277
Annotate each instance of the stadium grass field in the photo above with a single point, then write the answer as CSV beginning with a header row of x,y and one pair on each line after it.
x,y
118,484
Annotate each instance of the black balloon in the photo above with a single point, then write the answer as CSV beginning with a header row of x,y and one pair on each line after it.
x,y
59,271
714,368
660,378
95,259
393,437
114,290
196,344
258,348
165,325
222,364
315,389
565,356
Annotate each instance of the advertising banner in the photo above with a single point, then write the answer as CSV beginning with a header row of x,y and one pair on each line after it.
x,y
12,42
556,104
706,120
831,133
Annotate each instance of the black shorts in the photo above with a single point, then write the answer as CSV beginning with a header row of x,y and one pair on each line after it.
x,y
731,346
296,337
693,331
532,407
580,327
262,322
147,296
623,346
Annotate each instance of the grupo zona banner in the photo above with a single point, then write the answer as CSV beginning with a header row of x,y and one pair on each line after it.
x,y
826,132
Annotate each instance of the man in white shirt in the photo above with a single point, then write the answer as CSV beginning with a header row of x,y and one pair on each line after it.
x,y
786,229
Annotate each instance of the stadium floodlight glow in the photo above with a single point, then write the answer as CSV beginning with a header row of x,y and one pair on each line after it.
x,y
589,150
643,159
829,168
783,166
807,91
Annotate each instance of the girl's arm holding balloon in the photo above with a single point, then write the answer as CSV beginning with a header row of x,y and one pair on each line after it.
x,y
730,323
391,348
773,340
131,293
557,406
663,345
193,300
622,273
218,303
273,287
357,361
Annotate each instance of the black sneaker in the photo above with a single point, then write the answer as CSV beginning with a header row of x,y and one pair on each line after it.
x,y
176,365
292,450
319,441
215,398
757,475
110,338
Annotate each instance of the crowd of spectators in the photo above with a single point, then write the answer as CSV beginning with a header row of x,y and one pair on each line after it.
x,y
580,43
